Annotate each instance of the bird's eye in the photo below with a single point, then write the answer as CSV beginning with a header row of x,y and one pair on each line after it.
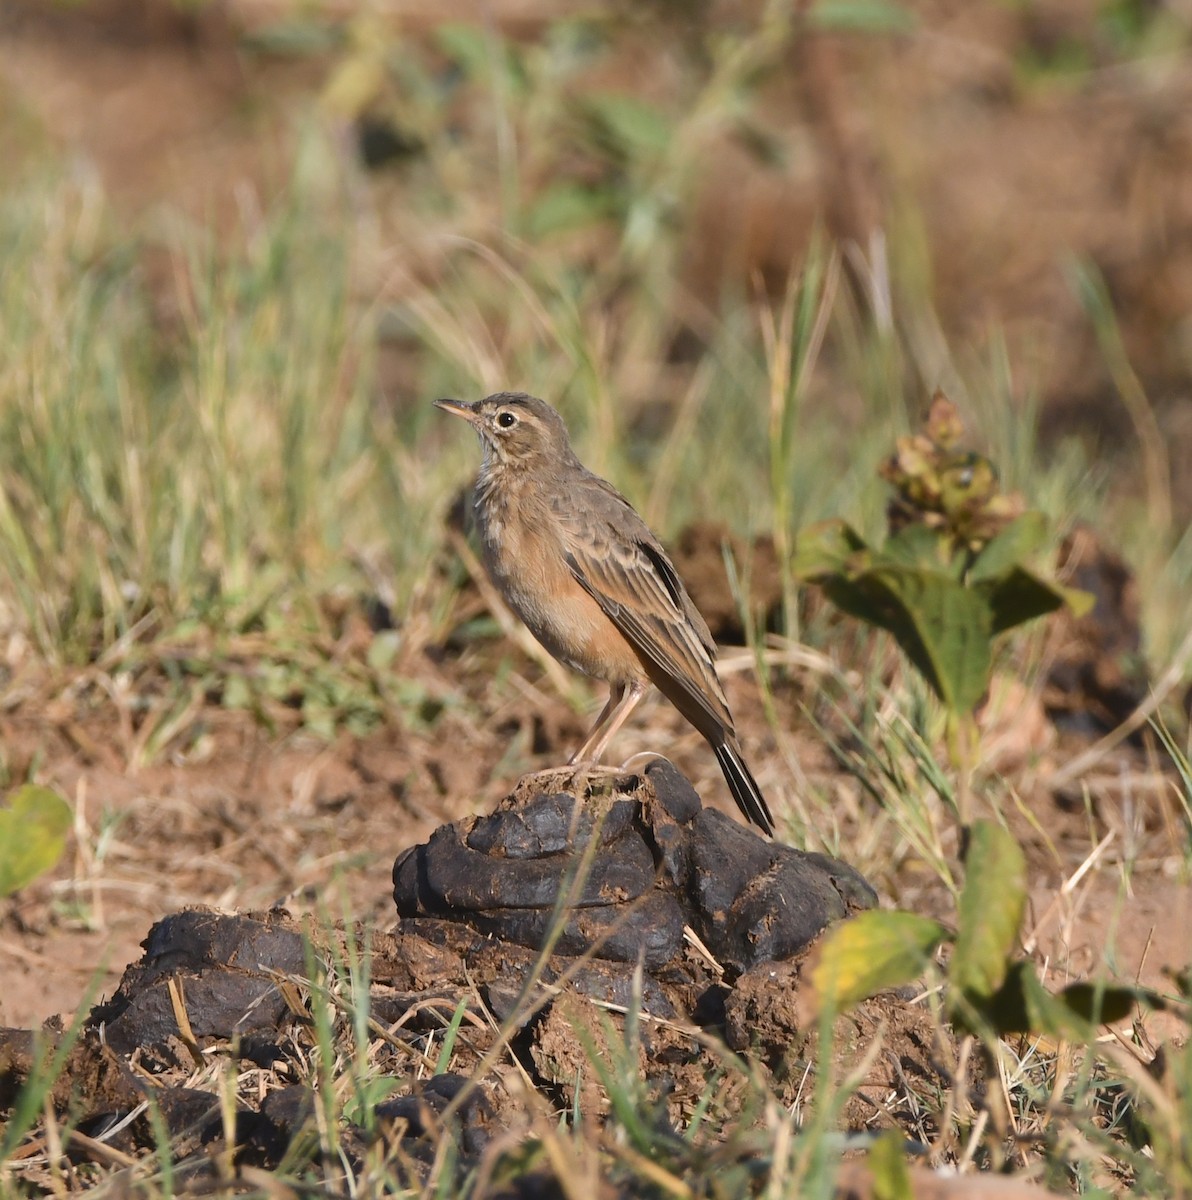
x,y
506,420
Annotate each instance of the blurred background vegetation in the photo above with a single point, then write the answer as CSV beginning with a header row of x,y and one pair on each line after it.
x,y
246,241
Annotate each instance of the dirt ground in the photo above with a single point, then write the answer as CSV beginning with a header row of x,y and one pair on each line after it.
x,y
262,821
256,820
167,109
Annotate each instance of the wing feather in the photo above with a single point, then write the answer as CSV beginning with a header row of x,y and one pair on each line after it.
x,y
616,559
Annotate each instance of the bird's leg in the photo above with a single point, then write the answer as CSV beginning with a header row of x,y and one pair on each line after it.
x,y
583,753
622,701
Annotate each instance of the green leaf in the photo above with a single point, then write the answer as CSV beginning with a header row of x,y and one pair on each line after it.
x,y
237,692
871,952
447,1049
826,548
33,831
1014,593
360,1108
916,546
297,38
479,56
277,681
863,16
941,626
1020,1004
634,125
354,85
382,650
1018,597
1023,1005
887,1165
991,908
1079,602
1103,1004
468,46
568,206
1011,548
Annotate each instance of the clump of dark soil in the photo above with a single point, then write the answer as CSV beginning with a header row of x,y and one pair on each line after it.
x,y
699,554
637,858
1098,675
691,922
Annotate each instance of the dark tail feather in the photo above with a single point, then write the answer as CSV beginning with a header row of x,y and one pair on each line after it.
x,y
744,787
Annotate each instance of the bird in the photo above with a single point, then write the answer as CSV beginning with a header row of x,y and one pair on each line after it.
x,y
582,570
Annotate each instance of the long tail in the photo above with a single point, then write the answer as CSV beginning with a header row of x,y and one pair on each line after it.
x,y
744,787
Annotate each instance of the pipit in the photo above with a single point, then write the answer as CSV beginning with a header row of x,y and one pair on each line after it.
x,y
591,582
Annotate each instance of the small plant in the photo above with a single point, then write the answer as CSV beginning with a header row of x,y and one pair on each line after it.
x,y
952,574
988,991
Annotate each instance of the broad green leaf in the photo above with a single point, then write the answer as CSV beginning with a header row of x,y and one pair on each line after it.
x,y
33,831
826,548
1023,1005
991,908
916,546
278,681
1046,1012
1011,548
1020,1004
871,952
941,626
887,1165
1104,1004
1019,596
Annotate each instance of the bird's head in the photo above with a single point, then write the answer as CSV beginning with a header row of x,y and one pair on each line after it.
x,y
515,429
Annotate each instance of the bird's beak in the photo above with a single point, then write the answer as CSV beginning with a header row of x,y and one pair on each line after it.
x,y
460,408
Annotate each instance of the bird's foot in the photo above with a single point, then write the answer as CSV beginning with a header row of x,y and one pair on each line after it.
x,y
575,778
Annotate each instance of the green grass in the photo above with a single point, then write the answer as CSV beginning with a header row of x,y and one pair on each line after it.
x,y
199,479
210,462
